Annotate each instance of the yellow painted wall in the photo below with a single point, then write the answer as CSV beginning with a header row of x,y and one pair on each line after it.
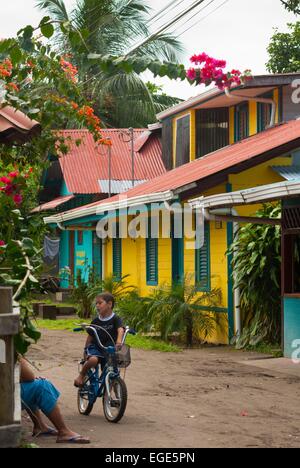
x,y
252,118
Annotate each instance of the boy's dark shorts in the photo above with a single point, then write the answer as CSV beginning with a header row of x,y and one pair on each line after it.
x,y
93,350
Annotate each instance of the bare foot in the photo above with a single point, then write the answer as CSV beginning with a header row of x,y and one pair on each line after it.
x,y
79,381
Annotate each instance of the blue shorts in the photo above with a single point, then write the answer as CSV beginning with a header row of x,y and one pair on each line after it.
x,y
93,350
39,394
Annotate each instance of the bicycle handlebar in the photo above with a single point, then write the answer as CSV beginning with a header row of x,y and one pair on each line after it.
x,y
93,327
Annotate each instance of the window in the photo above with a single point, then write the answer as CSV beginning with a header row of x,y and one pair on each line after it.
x,y
182,140
212,130
264,112
152,261
117,256
202,260
167,143
241,121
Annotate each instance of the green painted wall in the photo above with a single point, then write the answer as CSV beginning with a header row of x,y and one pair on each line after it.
x,y
84,254
291,325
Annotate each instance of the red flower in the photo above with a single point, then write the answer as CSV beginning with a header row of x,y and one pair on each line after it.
x,y
191,74
5,180
13,174
2,243
18,199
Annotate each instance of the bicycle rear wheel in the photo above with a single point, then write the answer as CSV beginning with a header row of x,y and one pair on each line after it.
x,y
114,403
84,398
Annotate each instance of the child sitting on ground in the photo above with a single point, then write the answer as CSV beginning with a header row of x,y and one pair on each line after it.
x,y
108,320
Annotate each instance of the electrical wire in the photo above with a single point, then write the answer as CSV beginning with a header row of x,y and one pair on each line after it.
x,y
196,14
202,19
156,17
164,27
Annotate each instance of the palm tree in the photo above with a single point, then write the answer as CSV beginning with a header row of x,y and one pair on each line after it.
x,y
111,28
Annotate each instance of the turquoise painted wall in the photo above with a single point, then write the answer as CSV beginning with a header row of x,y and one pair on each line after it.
x,y
291,325
64,190
84,254
64,254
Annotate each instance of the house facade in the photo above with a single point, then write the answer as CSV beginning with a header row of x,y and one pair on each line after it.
x,y
212,144
89,173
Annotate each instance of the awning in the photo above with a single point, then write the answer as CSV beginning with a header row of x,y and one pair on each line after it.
x,y
52,204
16,127
288,172
118,186
261,194
119,204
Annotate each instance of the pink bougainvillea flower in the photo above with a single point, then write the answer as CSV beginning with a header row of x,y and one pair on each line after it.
x,y
191,74
5,180
14,174
18,199
212,72
9,189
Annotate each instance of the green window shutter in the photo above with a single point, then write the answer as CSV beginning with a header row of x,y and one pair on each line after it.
x,y
241,121
182,140
117,258
202,260
264,112
152,261
167,143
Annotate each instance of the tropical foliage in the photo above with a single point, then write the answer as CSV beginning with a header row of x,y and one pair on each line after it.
x,y
40,83
292,6
284,48
257,264
99,36
176,308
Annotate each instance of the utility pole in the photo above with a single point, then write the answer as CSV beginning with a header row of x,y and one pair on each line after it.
x,y
132,155
109,169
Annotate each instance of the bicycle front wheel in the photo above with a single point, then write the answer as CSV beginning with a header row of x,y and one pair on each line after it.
x,y
84,398
114,402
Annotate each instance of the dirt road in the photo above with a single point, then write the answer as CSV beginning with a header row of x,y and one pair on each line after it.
x,y
198,398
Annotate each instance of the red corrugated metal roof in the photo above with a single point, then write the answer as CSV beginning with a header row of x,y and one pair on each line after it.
x,y
52,204
16,127
87,163
214,163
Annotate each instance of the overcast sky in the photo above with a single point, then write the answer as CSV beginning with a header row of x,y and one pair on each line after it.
x,y
239,31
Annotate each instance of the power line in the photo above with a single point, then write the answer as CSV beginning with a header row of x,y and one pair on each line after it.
x,y
202,19
160,12
165,26
153,35
196,14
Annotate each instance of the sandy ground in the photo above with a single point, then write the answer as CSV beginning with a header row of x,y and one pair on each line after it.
x,y
211,397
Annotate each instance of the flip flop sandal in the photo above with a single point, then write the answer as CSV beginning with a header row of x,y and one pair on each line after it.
x,y
49,432
74,440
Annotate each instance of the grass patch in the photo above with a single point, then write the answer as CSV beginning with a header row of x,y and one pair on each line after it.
x,y
265,348
137,341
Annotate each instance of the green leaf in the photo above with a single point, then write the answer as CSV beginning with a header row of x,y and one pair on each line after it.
x,y
47,30
44,20
16,55
27,32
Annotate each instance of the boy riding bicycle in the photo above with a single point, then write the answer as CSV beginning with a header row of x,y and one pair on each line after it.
x,y
113,335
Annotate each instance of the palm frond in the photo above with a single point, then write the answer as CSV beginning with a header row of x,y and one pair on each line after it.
x,y
56,9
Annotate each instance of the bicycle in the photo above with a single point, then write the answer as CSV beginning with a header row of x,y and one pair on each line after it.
x,y
109,385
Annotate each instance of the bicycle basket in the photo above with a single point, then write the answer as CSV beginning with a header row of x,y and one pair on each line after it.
x,y
123,356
